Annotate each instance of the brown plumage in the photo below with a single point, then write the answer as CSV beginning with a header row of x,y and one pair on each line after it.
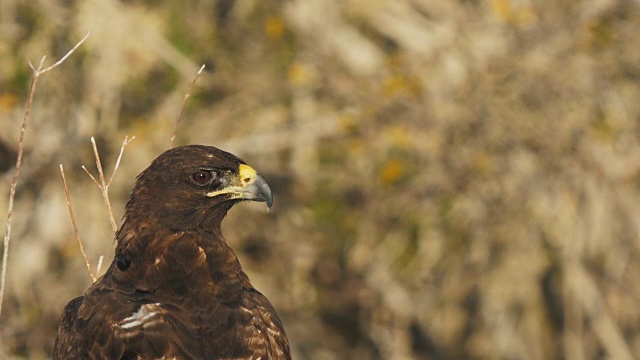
x,y
175,289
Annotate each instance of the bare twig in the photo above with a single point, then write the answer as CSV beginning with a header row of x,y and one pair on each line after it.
x,y
115,168
91,176
12,192
184,106
75,226
41,71
100,259
103,184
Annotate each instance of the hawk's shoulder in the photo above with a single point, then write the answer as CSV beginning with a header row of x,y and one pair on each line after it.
x,y
67,344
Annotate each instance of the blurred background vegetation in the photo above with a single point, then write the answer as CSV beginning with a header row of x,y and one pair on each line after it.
x,y
453,179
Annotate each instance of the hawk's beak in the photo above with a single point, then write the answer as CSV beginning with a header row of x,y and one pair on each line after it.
x,y
258,190
249,185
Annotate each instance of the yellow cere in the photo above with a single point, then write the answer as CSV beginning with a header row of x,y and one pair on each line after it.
x,y
247,174
246,177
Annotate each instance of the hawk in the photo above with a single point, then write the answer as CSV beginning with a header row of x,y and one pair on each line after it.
x,y
175,289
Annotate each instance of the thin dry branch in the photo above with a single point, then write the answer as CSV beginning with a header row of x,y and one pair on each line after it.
x,y
184,106
39,71
75,226
104,184
14,182
115,168
100,259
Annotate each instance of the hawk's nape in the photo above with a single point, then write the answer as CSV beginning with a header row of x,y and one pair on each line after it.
x,y
175,289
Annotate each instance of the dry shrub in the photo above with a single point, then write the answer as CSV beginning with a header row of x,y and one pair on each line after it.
x,y
452,179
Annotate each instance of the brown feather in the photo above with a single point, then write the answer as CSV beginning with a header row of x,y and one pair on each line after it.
x,y
175,289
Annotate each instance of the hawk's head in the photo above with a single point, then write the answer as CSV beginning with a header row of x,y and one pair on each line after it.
x,y
194,186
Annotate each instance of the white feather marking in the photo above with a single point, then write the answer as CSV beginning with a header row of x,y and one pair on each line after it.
x,y
203,254
147,316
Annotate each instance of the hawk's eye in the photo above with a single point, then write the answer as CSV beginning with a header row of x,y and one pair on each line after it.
x,y
202,177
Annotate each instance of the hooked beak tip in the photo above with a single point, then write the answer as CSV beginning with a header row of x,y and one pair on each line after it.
x,y
263,191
